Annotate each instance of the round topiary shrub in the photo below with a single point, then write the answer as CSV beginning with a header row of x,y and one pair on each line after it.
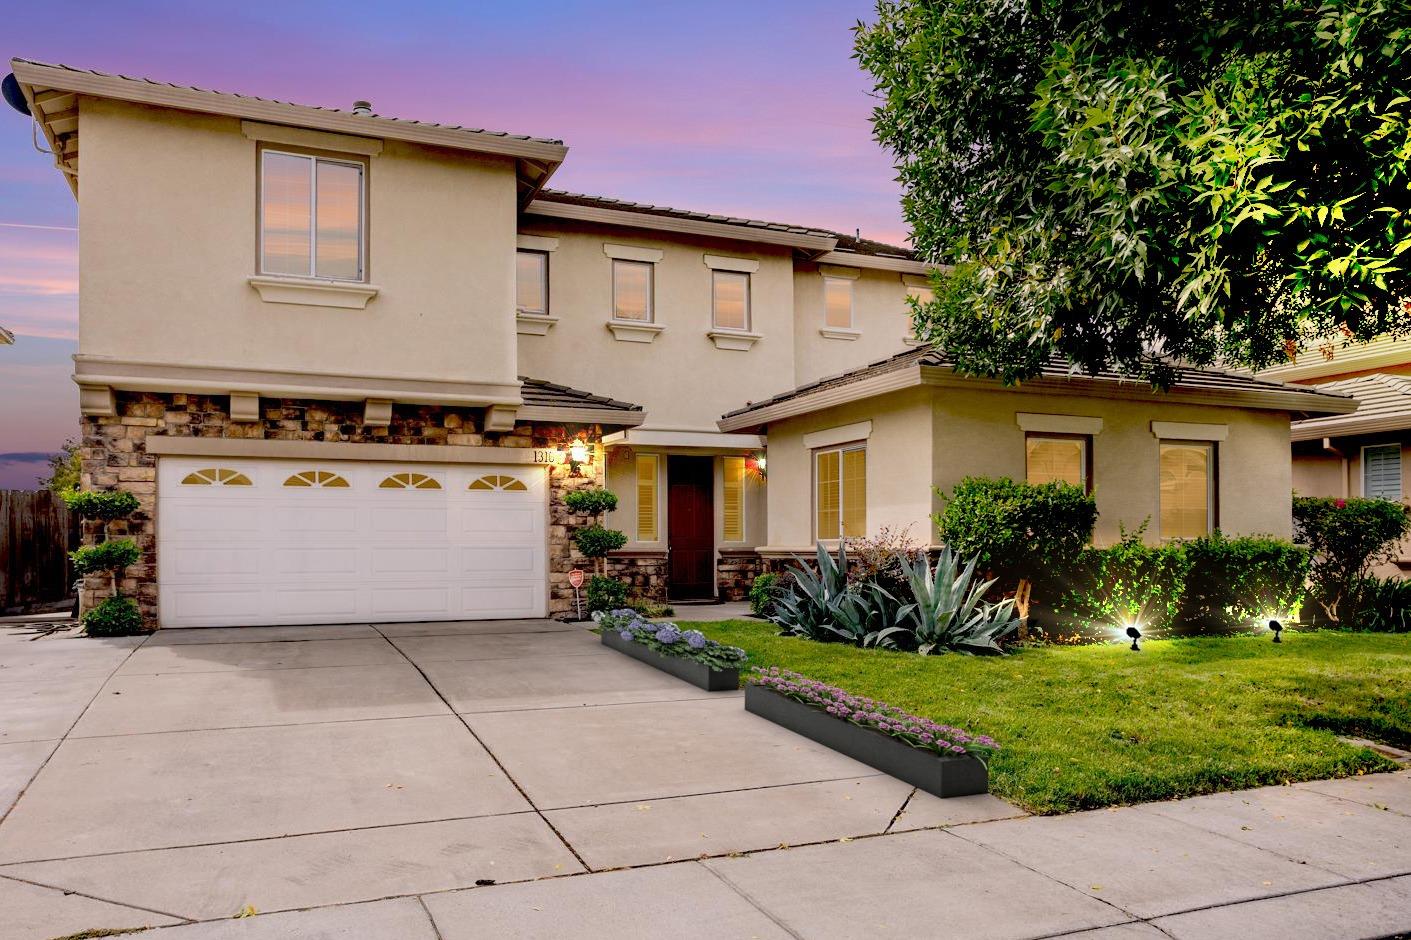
x,y
596,541
605,593
115,616
593,502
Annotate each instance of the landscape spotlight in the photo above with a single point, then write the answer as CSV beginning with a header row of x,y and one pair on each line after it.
x,y
1136,635
1277,628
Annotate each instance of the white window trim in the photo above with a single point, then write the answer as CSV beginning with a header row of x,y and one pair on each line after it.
x,y
842,487
1058,424
651,293
1212,479
749,302
1400,488
312,274
543,257
843,434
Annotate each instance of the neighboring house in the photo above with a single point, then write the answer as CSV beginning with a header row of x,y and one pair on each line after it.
x,y
868,449
342,359
350,365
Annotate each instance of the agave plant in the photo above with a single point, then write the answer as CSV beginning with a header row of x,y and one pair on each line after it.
x,y
813,607
949,611
868,611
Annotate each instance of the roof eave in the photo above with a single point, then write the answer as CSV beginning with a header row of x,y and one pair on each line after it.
x,y
874,262
664,223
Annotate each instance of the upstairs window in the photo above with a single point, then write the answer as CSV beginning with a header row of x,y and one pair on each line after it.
x,y
532,283
837,303
730,300
1381,472
632,290
312,217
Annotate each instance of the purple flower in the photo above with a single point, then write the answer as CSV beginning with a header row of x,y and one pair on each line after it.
x,y
695,639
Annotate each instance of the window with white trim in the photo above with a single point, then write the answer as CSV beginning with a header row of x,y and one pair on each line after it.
x,y
1188,472
732,509
840,492
632,290
532,282
648,473
837,302
1381,472
312,216
730,300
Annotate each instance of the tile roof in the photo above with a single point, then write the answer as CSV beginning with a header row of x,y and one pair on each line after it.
x,y
1384,404
540,394
623,205
1187,380
236,96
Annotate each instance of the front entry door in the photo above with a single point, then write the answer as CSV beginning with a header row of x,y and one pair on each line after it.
x,y
690,526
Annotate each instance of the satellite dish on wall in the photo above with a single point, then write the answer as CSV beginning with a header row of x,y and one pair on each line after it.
x,y
11,89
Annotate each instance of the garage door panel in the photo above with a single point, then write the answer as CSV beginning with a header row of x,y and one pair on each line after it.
x,y
313,560
407,560
232,553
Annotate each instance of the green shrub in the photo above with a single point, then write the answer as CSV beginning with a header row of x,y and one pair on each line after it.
x,y
112,556
593,502
1234,581
763,592
1381,605
1347,538
115,616
1018,531
1127,583
101,505
649,609
605,593
596,541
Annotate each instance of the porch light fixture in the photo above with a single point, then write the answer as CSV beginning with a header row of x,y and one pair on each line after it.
x,y
1278,628
578,451
1136,635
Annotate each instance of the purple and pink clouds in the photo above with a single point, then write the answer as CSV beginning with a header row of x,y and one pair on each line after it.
x,y
751,109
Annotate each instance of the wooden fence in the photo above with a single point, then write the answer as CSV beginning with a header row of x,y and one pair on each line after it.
x,y
37,531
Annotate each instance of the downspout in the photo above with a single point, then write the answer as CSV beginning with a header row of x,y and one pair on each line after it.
x,y
1346,466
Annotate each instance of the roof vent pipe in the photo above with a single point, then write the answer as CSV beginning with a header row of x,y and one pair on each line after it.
x,y
362,107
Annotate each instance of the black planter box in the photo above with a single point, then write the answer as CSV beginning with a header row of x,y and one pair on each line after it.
x,y
962,775
698,674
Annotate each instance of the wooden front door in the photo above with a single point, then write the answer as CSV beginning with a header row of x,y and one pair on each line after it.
x,y
690,527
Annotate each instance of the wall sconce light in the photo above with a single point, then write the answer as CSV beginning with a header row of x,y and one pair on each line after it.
x,y
1278,628
578,451
1136,635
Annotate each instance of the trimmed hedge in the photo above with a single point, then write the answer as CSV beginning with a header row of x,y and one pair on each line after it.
x,y
115,616
605,593
103,505
111,556
1234,581
1128,583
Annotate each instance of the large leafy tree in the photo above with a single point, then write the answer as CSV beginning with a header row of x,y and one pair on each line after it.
x,y
1131,183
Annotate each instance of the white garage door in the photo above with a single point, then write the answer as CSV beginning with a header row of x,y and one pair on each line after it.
x,y
289,542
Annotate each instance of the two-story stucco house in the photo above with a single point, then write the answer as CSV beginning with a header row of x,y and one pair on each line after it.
x,y
350,365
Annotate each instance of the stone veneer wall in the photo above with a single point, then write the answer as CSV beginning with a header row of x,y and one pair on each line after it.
x,y
735,571
114,455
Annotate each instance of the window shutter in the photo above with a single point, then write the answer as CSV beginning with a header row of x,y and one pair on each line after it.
x,y
827,494
646,497
855,493
733,511
1381,472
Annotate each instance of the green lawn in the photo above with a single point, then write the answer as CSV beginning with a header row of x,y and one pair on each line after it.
x,y
1089,726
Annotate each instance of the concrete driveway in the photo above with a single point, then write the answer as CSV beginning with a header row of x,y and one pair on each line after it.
x,y
517,779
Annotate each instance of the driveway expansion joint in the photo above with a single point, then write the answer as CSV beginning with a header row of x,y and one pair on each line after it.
x,y
94,897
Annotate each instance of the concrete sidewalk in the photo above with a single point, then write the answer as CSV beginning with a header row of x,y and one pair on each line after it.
x,y
517,779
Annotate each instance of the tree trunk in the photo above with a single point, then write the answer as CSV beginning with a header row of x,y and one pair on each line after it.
x,y
1021,604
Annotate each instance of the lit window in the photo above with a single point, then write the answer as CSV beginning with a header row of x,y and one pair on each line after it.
x,y
532,283
840,493
837,302
648,469
1187,489
632,290
1050,458
730,299
733,501
311,216
1381,472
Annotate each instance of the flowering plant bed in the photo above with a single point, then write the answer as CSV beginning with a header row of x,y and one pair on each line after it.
x,y
686,654
936,758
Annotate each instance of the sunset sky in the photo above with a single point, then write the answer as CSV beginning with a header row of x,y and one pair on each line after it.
x,y
752,109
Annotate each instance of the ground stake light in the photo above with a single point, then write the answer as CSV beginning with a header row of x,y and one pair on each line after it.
x,y
1278,628
1136,635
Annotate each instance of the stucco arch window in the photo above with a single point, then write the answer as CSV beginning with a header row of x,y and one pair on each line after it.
x,y
216,476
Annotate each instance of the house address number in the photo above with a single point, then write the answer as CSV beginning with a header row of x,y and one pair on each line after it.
x,y
547,455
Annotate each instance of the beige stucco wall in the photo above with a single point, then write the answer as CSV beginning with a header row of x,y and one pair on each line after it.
x,y
1320,475
898,467
622,480
929,437
881,316
681,379
168,242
